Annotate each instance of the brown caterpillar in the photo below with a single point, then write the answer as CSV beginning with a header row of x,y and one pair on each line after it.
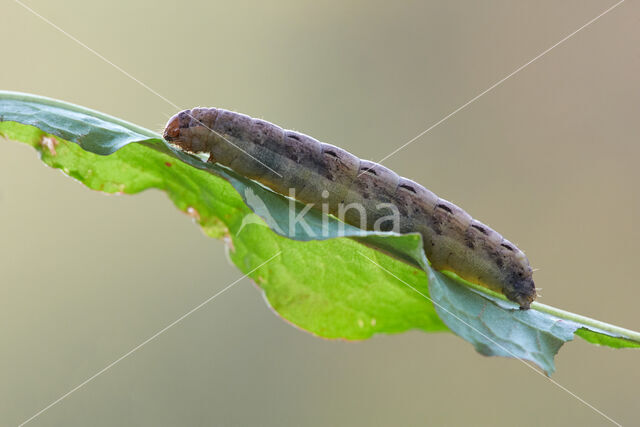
x,y
452,239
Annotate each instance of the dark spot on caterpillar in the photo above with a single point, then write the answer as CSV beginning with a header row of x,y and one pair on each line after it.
x,y
184,119
436,225
370,170
331,153
234,132
480,229
469,242
444,208
408,187
293,136
496,256
506,247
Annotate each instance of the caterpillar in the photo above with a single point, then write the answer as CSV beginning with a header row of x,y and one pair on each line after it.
x,y
283,160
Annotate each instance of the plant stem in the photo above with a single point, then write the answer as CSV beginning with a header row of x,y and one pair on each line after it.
x,y
597,325
587,321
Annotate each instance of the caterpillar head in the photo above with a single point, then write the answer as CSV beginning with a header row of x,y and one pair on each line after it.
x,y
187,132
172,129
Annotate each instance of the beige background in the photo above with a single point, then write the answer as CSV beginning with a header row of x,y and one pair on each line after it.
x,y
549,158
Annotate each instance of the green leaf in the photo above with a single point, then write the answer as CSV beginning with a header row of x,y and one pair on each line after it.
x,y
347,287
601,337
499,328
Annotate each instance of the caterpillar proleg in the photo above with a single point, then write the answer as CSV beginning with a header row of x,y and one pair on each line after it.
x,y
323,173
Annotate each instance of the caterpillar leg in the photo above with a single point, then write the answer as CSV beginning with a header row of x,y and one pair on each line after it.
x,y
211,159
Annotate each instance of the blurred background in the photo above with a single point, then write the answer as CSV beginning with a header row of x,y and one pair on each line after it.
x,y
549,158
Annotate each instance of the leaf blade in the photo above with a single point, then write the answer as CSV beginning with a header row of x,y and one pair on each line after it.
x,y
111,155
